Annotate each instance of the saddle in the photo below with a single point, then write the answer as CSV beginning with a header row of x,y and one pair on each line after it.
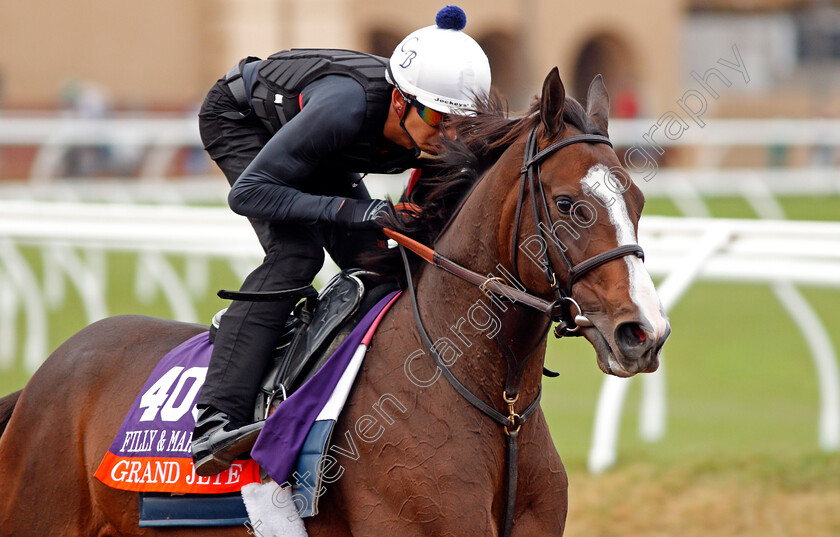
x,y
316,327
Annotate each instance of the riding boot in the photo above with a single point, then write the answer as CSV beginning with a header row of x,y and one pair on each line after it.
x,y
217,440
243,349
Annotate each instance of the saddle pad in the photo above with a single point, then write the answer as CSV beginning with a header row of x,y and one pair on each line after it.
x,y
151,452
160,510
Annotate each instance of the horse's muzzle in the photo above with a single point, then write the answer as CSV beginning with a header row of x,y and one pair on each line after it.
x,y
629,347
639,346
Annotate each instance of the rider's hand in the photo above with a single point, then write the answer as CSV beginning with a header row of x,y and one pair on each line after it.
x,y
361,214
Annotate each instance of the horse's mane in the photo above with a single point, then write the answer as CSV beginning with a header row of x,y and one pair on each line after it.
x,y
444,184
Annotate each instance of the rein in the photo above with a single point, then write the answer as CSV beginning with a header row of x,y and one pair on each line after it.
x,y
492,285
559,311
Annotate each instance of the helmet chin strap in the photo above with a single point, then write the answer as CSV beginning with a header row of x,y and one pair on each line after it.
x,y
407,101
417,149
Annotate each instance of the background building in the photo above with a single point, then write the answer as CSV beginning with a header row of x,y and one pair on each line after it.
x,y
164,55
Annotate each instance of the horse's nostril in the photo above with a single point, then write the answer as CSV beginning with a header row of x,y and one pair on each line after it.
x,y
639,333
631,334
634,340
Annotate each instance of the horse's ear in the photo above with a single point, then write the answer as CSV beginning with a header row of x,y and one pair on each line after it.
x,y
598,103
552,102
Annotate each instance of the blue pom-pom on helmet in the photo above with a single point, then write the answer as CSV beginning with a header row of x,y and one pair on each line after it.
x,y
451,18
441,66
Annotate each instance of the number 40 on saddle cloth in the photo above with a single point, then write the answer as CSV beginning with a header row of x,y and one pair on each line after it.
x,y
151,452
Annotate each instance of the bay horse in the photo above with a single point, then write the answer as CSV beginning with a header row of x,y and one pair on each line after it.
x,y
416,456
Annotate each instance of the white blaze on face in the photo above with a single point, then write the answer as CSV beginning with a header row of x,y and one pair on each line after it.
x,y
642,292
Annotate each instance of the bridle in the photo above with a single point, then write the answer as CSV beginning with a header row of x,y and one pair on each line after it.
x,y
530,172
559,311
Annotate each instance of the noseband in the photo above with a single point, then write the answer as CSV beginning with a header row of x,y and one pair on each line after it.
x,y
561,313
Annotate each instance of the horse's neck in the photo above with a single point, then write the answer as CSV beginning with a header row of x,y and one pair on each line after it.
x,y
472,324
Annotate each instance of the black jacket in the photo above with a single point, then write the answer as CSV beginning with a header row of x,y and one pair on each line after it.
x,y
339,127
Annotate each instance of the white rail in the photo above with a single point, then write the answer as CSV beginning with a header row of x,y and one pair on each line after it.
x,y
754,250
160,137
17,129
683,250
731,132
54,136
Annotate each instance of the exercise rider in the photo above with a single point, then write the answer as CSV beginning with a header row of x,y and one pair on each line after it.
x,y
292,133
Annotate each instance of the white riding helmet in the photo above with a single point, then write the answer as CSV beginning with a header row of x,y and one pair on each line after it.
x,y
444,68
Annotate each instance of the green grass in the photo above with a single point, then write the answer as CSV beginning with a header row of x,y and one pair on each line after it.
x,y
817,208
709,496
739,377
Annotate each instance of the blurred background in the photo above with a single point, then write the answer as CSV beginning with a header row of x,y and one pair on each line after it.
x,y
726,112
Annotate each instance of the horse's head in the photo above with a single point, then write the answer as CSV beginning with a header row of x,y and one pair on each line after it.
x,y
593,209
565,216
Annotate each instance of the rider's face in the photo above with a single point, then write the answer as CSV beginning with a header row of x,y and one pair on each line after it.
x,y
427,136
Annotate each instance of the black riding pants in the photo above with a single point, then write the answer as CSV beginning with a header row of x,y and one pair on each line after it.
x,y
247,336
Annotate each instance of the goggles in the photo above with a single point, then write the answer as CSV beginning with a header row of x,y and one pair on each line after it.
x,y
431,117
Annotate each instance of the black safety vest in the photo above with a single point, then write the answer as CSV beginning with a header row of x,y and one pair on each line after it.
x,y
275,98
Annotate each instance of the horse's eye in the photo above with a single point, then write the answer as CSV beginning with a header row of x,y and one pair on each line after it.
x,y
564,205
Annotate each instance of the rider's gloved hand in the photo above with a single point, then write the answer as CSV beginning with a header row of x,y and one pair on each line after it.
x,y
361,214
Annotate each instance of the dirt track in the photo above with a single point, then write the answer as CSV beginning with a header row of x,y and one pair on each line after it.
x,y
744,498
